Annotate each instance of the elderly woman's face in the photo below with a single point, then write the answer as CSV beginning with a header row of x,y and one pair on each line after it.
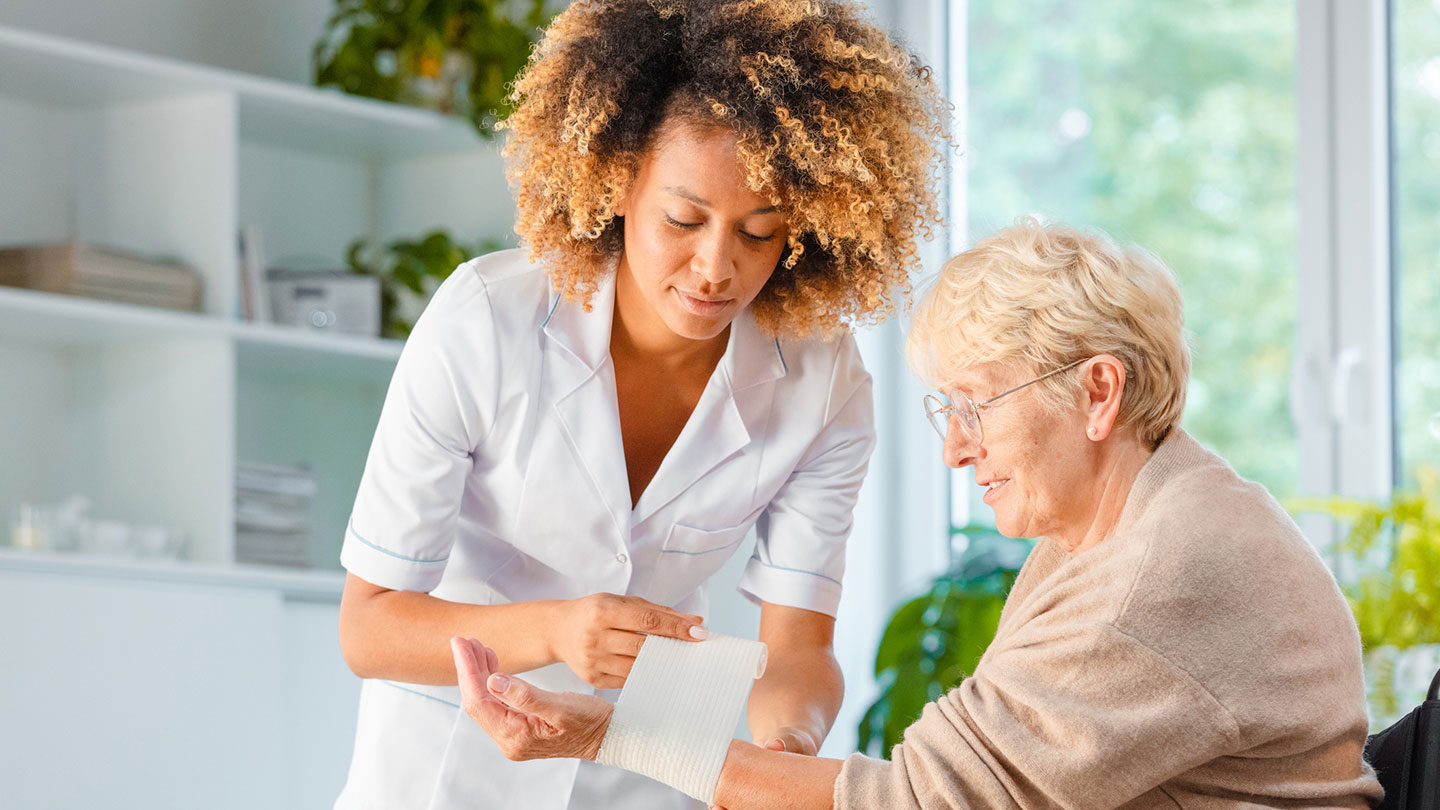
x,y
699,244
1032,459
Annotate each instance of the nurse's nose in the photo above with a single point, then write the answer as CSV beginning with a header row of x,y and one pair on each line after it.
x,y
714,261
961,449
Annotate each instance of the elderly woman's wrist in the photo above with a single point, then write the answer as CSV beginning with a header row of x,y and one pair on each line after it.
x,y
732,779
595,735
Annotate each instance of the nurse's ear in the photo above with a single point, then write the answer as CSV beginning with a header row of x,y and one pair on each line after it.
x,y
622,205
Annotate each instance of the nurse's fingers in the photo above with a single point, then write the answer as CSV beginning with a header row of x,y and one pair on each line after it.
x,y
625,643
640,616
608,681
617,666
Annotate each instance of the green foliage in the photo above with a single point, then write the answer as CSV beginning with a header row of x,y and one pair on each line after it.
x,y
1172,127
410,265
1389,563
377,48
936,639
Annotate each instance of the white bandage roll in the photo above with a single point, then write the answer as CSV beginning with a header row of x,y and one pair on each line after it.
x,y
674,719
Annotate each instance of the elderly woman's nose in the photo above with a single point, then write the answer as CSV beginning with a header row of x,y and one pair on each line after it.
x,y
960,448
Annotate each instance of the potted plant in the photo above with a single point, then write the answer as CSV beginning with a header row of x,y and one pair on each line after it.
x,y
1389,569
409,271
934,641
454,56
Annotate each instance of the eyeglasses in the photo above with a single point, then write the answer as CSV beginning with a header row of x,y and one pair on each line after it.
x,y
964,410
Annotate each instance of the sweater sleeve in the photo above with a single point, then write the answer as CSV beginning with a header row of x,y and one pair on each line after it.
x,y
1084,717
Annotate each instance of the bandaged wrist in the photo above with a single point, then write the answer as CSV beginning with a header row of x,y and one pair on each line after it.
x,y
674,719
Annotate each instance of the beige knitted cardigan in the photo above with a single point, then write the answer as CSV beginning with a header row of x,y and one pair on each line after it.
x,y
1202,657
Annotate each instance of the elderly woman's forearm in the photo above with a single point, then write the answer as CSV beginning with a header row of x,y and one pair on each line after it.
x,y
756,779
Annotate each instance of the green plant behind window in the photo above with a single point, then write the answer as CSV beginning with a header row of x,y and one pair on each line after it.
x,y
1389,563
466,52
933,642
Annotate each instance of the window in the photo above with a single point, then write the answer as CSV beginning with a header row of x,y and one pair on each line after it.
x,y
1178,135
1415,96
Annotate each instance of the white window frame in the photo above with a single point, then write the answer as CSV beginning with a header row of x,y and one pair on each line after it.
x,y
1342,386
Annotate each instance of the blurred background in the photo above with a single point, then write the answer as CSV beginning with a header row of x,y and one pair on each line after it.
x,y
219,219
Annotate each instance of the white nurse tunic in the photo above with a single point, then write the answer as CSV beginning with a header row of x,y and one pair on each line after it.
x,y
497,474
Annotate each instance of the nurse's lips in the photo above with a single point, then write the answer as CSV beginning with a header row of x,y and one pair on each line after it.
x,y
704,307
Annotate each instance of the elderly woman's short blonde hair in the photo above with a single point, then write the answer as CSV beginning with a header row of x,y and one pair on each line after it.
x,y
1046,295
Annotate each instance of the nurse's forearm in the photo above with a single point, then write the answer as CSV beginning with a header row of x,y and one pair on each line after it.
x,y
405,635
756,779
800,694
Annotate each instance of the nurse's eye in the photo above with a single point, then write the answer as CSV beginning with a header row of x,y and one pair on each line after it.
x,y
760,240
678,224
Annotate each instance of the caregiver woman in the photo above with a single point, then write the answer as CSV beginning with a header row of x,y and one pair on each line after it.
x,y
578,436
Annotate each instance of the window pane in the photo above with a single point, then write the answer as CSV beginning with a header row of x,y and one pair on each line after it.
x,y
1178,135
1416,32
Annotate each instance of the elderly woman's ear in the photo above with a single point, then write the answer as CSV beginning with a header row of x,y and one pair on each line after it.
x,y
1102,381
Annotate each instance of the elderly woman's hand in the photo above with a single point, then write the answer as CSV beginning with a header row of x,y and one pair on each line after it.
x,y
527,722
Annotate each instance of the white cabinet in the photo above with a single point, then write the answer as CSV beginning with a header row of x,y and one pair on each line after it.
x,y
122,689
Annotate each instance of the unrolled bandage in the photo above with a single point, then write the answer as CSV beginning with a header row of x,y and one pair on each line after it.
x,y
677,713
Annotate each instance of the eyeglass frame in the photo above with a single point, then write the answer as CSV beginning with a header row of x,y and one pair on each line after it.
x,y
979,432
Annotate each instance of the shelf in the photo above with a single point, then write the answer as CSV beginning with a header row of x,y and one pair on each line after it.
x,y
57,72
28,315
295,585
290,349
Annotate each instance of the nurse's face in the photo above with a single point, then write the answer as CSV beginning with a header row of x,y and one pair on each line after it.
x,y
699,244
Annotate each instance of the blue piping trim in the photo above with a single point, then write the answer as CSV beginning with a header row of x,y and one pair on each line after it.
x,y
350,527
551,314
422,694
796,571
784,365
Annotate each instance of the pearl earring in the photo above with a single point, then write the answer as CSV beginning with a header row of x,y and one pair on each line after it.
x,y
1091,431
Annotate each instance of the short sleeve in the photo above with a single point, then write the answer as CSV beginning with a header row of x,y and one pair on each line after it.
x,y
439,405
800,551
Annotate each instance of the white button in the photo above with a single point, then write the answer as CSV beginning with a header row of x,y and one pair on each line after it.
x,y
621,558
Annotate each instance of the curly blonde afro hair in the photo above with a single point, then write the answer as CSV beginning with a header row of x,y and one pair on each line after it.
x,y
837,124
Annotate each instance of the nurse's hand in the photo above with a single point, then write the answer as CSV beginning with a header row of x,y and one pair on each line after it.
x,y
600,635
527,722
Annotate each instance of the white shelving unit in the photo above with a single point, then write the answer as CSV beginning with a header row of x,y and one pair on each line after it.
x,y
147,411
197,682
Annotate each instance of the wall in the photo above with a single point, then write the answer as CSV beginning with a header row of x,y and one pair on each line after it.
x,y
265,37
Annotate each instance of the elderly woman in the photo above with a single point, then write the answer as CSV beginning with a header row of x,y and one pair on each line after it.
x,y
1172,640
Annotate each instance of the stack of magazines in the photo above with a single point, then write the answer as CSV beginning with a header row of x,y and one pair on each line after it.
x,y
100,272
272,513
